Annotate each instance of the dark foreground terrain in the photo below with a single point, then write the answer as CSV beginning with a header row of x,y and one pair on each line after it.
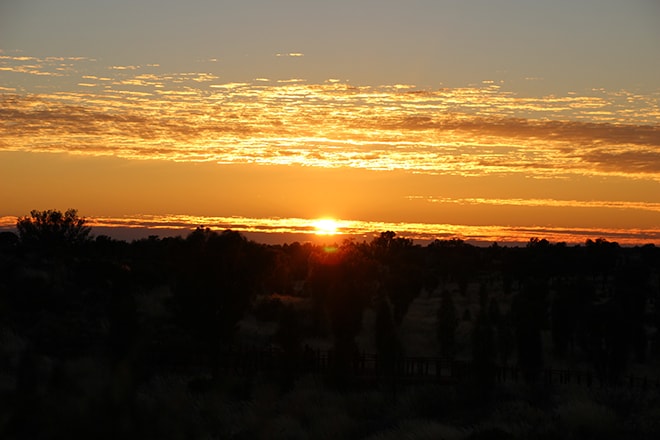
x,y
215,336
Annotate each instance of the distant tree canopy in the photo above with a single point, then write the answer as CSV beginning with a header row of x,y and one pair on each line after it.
x,y
180,301
52,228
215,277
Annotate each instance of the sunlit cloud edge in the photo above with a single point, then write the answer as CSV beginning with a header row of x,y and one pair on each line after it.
x,y
552,203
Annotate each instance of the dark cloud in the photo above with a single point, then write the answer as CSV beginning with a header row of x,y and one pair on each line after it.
x,y
643,161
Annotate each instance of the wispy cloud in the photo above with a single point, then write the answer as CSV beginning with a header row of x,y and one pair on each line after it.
x,y
31,69
41,67
124,67
600,204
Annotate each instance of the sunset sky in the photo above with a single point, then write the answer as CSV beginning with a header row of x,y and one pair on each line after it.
x,y
479,119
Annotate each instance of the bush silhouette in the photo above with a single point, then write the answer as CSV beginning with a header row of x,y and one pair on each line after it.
x,y
52,229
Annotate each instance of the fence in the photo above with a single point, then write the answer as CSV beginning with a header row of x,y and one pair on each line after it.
x,y
243,360
409,369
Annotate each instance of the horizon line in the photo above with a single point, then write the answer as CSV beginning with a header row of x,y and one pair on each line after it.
x,y
275,230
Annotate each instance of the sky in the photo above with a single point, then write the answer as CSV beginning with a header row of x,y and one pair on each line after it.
x,y
481,120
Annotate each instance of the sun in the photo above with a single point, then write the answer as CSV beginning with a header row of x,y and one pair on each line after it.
x,y
326,226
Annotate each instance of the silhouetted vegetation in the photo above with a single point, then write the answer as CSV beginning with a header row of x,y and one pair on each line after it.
x,y
92,327
52,230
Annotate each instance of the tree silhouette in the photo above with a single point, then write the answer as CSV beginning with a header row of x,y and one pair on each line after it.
x,y
564,315
52,229
528,313
446,325
342,282
401,277
505,339
289,337
454,260
483,354
349,297
215,277
387,341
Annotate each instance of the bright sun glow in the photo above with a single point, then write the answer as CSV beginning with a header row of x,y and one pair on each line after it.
x,y
326,226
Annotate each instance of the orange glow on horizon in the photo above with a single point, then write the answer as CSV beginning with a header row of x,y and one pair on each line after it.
x,y
365,230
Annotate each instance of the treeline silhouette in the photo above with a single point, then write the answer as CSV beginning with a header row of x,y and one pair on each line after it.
x,y
134,309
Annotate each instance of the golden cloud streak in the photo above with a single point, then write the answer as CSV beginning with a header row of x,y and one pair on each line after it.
x,y
604,204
